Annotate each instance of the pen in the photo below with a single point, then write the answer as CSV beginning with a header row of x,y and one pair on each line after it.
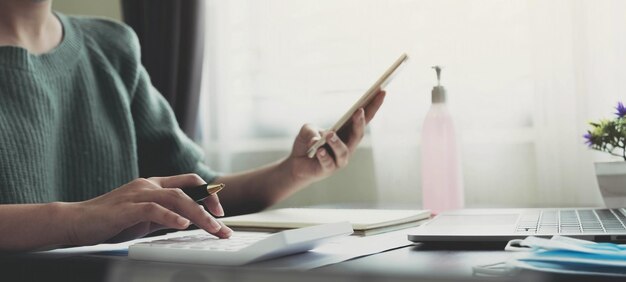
x,y
200,192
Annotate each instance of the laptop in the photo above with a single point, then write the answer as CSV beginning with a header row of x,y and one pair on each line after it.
x,y
494,225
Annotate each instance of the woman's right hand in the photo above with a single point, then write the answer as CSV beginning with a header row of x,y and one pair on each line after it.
x,y
140,207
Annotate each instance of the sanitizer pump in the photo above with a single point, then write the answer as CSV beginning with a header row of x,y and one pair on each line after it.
x,y
442,182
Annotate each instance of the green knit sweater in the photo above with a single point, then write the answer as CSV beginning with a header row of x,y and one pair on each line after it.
x,y
84,118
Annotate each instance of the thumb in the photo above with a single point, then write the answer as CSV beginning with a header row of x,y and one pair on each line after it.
x,y
308,135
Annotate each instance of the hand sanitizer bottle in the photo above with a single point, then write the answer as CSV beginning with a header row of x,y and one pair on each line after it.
x,y
442,183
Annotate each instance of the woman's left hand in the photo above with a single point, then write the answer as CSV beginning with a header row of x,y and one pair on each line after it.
x,y
339,145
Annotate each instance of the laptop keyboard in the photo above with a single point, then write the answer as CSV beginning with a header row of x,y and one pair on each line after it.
x,y
572,221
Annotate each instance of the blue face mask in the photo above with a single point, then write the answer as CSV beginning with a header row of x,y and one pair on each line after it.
x,y
561,255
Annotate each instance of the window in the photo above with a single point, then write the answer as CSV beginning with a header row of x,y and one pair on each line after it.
x,y
523,78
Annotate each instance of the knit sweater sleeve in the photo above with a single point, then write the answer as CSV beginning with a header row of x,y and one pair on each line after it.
x,y
162,148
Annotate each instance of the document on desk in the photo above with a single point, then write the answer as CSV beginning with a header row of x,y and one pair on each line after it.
x,y
331,252
364,221
339,250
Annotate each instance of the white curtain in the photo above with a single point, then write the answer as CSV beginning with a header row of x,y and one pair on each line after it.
x,y
523,78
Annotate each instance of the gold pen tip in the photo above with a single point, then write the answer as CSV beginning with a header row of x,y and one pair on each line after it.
x,y
212,189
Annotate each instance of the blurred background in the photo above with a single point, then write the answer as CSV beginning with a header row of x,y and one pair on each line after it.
x,y
523,77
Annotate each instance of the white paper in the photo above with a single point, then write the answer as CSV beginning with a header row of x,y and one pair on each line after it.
x,y
333,251
340,249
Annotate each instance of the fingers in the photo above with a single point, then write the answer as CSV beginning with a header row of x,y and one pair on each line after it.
x,y
374,105
306,134
352,133
327,162
158,214
178,181
337,158
224,232
212,203
340,149
191,180
177,201
358,130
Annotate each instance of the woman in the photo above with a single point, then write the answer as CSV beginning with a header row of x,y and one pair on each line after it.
x,y
79,117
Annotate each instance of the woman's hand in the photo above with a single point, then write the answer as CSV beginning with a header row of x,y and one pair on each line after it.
x,y
338,150
256,189
140,207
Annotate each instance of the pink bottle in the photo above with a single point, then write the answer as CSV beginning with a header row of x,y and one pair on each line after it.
x,y
442,182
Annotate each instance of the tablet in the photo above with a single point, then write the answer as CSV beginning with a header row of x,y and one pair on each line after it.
x,y
363,101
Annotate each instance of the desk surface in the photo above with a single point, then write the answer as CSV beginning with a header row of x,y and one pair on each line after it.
x,y
419,262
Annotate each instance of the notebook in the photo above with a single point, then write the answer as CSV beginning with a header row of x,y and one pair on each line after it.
x,y
502,225
364,221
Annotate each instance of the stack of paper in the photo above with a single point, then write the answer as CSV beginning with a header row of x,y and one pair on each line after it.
x,y
364,221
